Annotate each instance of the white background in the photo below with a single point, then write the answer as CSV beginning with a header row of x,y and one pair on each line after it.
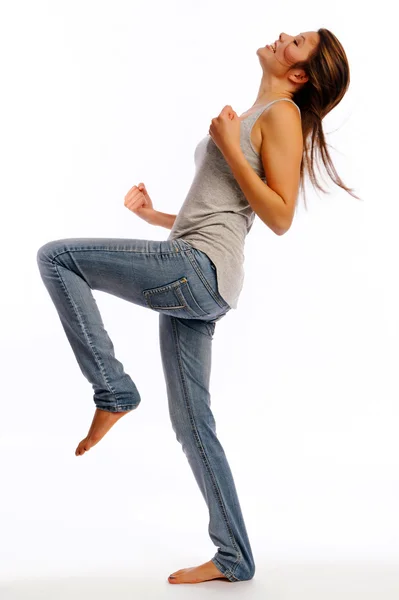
x,y
97,97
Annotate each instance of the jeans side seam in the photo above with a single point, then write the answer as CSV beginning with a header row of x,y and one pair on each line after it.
x,y
84,330
200,447
107,250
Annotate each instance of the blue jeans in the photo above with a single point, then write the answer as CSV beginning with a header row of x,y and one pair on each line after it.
x,y
179,282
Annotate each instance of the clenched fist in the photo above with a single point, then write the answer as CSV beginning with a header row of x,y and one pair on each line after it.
x,y
139,202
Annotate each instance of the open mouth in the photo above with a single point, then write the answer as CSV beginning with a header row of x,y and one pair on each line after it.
x,y
271,47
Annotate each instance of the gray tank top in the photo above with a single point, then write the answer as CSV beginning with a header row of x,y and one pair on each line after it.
x,y
215,216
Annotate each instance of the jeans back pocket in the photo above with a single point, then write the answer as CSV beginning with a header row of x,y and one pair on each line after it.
x,y
174,298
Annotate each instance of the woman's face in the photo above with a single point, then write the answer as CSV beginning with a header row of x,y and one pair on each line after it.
x,y
290,49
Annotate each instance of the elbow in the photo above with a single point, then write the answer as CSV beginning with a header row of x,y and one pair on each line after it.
x,y
277,227
283,225
282,220
281,229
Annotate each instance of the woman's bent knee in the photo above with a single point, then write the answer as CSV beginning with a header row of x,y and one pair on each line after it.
x,y
48,251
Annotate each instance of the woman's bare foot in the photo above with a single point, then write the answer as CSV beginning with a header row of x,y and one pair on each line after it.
x,y
204,572
102,422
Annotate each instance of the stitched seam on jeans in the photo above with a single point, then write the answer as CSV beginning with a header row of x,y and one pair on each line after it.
x,y
225,571
201,448
198,311
201,276
85,333
109,250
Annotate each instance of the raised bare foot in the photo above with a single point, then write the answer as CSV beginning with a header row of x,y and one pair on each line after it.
x,y
204,572
102,422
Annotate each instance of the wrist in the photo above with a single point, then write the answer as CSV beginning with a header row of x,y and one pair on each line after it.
x,y
148,215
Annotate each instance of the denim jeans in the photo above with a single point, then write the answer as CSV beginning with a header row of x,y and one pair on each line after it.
x,y
179,282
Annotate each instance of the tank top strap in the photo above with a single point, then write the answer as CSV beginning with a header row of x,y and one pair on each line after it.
x,y
258,112
248,124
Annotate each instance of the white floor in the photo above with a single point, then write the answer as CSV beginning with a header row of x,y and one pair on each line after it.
x,y
278,581
115,523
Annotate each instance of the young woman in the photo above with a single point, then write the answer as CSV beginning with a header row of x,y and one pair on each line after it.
x,y
194,278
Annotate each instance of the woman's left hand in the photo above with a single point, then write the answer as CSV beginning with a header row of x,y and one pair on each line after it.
x,y
225,130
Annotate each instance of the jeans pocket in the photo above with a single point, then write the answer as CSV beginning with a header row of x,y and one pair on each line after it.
x,y
175,298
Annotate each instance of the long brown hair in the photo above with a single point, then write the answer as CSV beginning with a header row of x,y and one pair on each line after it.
x,y
329,77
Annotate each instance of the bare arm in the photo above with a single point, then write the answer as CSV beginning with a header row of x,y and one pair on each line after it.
x,y
139,202
281,154
162,219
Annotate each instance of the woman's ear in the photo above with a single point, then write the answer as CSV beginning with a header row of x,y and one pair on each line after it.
x,y
298,76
